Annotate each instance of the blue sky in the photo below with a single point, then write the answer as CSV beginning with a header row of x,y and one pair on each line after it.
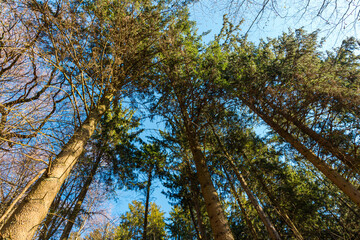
x,y
209,16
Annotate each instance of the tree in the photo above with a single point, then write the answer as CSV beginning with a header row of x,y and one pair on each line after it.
x,y
286,87
131,223
96,65
185,94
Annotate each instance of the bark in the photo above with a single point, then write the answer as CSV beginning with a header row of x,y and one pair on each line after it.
x,y
147,202
218,221
194,222
13,203
247,220
280,210
71,220
338,180
33,209
195,200
264,218
323,142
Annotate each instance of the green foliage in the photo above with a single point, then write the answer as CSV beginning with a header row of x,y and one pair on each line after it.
x,y
131,223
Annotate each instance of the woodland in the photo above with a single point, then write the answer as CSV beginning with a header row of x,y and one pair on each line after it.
x,y
79,80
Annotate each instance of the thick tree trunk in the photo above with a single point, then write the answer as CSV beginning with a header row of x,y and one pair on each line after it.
x,y
345,186
218,221
241,206
33,209
147,202
80,199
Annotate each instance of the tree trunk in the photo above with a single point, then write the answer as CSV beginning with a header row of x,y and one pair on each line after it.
x,y
345,186
194,222
33,209
265,219
247,220
147,202
71,220
335,151
218,221
279,209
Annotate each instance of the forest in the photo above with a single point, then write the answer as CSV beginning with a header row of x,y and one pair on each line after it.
x,y
250,140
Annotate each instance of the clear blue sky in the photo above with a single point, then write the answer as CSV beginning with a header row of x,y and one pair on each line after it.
x,y
210,17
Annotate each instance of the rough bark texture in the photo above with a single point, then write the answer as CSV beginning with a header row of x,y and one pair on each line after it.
x,y
338,180
71,219
218,221
33,209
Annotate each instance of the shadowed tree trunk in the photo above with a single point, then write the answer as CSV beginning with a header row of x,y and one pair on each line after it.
x,y
147,201
265,219
241,206
218,221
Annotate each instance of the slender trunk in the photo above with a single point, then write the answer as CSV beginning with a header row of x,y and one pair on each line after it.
x,y
195,199
279,209
335,151
218,221
345,186
247,220
194,222
33,209
71,220
147,201
264,218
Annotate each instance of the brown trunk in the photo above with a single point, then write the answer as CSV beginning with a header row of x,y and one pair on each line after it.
x,y
70,222
280,210
247,220
345,186
195,200
33,209
147,201
264,218
194,222
335,151
218,221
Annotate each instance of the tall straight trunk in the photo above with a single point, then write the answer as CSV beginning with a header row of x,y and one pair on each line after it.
x,y
241,206
28,216
323,142
263,216
279,209
147,202
218,221
338,180
194,222
80,199
195,199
